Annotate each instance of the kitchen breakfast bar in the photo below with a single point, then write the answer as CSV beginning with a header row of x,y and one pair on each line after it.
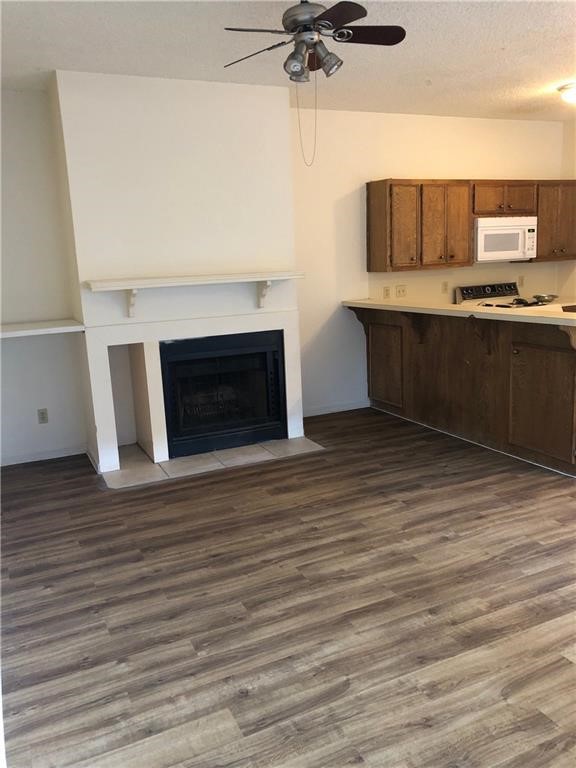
x,y
505,379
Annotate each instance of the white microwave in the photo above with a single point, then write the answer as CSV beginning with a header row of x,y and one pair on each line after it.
x,y
506,238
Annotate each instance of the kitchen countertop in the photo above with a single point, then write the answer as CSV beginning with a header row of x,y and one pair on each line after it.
x,y
550,314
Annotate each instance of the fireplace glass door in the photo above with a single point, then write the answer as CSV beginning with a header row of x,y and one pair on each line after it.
x,y
223,391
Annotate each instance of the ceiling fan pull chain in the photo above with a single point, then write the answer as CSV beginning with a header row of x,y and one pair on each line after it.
x,y
308,163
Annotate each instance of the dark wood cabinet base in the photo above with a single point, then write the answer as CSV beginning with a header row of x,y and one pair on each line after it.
x,y
505,385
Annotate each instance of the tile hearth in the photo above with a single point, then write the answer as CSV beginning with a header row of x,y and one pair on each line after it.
x,y
137,469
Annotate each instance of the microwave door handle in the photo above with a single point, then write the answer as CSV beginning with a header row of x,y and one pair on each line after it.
x,y
524,240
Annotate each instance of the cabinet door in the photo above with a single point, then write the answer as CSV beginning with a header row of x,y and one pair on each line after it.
x,y
548,201
433,224
520,198
377,225
542,417
385,364
567,220
489,198
458,224
404,225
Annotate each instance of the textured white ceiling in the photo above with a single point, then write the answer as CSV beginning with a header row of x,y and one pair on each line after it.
x,y
484,59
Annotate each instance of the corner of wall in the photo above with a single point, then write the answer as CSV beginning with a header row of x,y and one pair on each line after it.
x,y
569,149
64,196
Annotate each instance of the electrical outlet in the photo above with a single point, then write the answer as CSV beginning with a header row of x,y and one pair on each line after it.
x,y
386,292
520,281
42,415
444,287
401,291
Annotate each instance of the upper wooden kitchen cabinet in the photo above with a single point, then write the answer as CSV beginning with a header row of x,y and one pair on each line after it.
x,y
497,197
446,224
393,221
556,221
404,225
418,224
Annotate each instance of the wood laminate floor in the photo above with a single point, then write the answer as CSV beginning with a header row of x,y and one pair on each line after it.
x,y
399,600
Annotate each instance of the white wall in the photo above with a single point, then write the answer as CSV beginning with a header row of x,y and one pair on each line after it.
x,y
39,372
35,284
122,392
42,372
353,148
570,148
175,177
567,280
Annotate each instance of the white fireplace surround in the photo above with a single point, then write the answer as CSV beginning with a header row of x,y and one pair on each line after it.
x,y
193,308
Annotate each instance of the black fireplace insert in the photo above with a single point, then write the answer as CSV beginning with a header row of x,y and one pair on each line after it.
x,y
223,391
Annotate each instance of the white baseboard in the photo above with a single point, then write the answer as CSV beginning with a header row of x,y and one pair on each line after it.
x,y
43,455
320,410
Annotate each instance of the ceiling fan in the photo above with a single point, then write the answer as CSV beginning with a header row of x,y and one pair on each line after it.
x,y
307,23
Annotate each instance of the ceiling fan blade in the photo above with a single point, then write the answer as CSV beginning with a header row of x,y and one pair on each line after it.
x,y
268,31
313,62
371,35
270,48
341,13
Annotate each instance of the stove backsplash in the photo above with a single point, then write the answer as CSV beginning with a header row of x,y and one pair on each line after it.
x,y
437,286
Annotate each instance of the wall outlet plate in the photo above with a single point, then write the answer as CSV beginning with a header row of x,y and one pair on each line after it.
x,y
444,286
401,291
386,292
42,415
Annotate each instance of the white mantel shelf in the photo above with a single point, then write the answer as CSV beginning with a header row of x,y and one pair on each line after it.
x,y
132,285
40,328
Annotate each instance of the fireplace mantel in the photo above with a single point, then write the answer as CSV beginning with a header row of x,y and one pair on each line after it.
x,y
131,285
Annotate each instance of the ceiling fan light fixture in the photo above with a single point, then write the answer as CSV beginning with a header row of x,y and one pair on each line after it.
x,y
568,92
329,62
295,64
304,77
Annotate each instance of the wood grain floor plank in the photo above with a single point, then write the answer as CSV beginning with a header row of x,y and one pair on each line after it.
x,y
399,600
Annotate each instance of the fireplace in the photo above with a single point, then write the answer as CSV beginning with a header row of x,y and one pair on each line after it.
x,y
223,391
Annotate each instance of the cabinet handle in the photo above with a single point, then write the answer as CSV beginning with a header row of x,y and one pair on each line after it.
x,y
554,250
451,256
562,250
510,206
501,205
412,258
515,351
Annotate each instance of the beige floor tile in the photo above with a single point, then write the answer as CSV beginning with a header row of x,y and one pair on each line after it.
x,y
132,456
136,468
246,454
293,447
125,478
192,465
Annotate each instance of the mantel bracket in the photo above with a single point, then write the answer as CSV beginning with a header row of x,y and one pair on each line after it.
x,y
131,301
570,330
262,288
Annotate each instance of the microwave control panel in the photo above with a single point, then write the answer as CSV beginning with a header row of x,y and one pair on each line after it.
x,y
531,240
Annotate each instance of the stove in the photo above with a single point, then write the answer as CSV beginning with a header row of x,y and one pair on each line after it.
x,y
501,295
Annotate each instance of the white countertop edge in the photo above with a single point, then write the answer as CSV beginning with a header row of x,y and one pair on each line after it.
x,y
543,315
